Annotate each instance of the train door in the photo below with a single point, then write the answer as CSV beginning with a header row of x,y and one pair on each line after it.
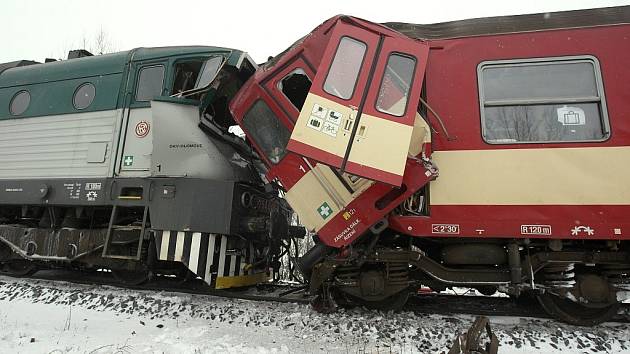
x,y
359,113
138,143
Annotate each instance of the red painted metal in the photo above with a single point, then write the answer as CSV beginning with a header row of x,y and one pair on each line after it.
x,y
451,90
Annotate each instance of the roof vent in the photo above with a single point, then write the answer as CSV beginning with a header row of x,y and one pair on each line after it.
x,y
79,53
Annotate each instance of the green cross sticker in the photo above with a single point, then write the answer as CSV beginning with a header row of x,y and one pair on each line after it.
x,y
324,211
128,160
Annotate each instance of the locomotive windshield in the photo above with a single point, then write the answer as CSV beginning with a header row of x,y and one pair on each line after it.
x,y
193,75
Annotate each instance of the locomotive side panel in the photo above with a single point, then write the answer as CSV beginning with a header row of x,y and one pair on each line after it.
x,y
77,145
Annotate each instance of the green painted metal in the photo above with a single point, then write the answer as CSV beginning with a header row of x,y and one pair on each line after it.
x,y
52,85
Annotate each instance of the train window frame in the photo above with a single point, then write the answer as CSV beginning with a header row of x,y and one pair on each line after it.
x,y
13,100
599,100
358,73
380,87
76,92
139,77
205,66
254,134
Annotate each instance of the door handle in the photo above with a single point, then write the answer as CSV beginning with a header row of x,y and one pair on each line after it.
x,y
362,132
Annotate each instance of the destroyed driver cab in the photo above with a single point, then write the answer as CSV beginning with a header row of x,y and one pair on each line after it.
x,y
335,119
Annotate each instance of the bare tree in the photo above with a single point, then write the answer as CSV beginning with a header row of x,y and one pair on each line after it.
x,y
97,44
102,43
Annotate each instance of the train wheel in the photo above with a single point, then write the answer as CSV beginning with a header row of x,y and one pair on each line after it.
x,y
15,267
487,290
574,313
131,277
393,303
20,268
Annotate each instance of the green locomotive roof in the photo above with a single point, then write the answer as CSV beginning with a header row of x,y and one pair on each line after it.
x,y
93,66
51,86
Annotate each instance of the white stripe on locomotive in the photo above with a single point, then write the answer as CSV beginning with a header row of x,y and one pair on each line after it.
x,y
223,246
179,246
173,246
166,235
194,251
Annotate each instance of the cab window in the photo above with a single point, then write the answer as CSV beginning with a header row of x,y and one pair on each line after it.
x,y
150,82
193,74
208,72
266,131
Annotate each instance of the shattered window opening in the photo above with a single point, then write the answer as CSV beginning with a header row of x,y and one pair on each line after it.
x,y
345,68
295,87
185,76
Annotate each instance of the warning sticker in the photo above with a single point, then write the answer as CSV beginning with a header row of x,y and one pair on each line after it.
x,y
319,111
334,117
571,116
315,123
330,129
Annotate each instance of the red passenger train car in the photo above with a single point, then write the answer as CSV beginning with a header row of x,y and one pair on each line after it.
x,y
490,153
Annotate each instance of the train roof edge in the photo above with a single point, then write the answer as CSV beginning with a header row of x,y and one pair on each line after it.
x,y
24,72
605,16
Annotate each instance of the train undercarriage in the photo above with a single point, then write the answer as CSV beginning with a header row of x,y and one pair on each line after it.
x,y
578,282
124,243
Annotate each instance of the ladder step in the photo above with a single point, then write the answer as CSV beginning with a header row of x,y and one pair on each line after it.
x,y
117,230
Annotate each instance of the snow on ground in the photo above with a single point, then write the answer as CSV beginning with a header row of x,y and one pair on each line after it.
x,y
38,316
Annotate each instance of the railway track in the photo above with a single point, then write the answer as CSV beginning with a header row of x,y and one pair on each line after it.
x,y
422,304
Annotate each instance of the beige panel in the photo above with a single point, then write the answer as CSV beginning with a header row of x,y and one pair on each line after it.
x,y
305,197
570,176
421,134
378,147
383,145
320,185
333,144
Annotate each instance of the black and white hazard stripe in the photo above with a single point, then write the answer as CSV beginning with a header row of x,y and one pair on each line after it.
x,y
205,254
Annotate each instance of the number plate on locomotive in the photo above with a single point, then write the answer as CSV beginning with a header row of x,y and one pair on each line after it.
x,y
449,229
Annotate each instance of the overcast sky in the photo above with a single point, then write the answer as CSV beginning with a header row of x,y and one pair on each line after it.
x,y
36,30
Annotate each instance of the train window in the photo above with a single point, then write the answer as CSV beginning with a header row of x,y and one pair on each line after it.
x,y
295,87
150,82
542,100
395,85
83,96
209,71
194,74
267,131
344,70
20,102
185,76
